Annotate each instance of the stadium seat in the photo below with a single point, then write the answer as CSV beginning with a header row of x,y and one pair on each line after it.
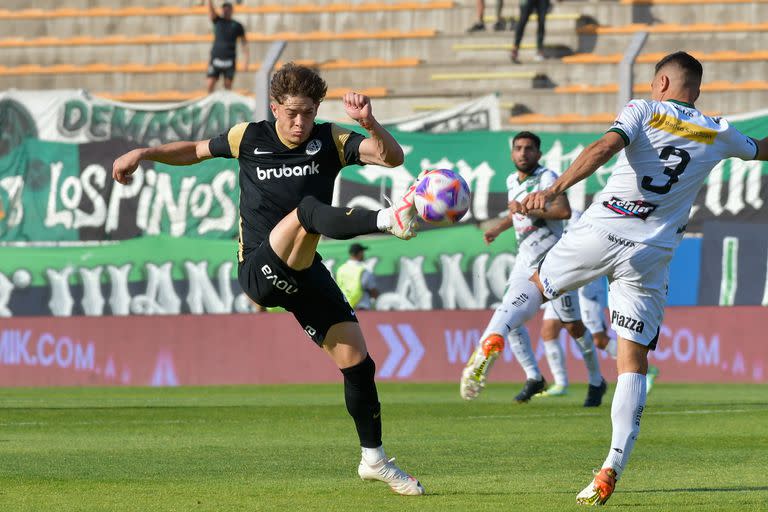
x,y
178,10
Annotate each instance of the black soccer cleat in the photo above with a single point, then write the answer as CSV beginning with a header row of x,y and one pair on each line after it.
x,y
595,394
531,388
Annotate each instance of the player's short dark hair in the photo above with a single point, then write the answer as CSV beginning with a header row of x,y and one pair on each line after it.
x,y
528,135
296,80
692,69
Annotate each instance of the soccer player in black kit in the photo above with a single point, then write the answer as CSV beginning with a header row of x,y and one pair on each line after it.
x,y
287,173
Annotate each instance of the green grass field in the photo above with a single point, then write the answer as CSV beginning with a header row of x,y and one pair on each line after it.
x,y
293,448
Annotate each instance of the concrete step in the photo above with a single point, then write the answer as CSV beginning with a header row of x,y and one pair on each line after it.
x,y
201,24
446,76
564,74
400,103
667,42
438,47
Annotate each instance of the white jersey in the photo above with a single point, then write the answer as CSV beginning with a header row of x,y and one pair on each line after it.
x,y
535,236
670,149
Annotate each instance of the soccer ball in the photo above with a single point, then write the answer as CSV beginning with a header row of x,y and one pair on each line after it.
x,y
441,197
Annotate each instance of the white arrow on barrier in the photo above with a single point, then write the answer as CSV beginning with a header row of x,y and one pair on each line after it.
x,y
417,350
397,351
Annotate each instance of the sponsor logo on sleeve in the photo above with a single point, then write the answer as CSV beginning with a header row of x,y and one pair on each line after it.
x,y
630,208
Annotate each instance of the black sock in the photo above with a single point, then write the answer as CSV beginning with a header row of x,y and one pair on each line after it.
x,y
333,222
363,401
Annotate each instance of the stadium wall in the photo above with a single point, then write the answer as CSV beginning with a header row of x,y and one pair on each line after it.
x,y
701,344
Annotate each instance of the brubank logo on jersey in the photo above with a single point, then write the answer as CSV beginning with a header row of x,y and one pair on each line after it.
x,y
640,209
286,171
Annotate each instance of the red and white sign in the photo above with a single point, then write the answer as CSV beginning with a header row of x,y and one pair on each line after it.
x,y
697,344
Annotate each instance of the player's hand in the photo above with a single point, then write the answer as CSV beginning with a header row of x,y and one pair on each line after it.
x,y
489,236
125,165
536,200
515,207
358,107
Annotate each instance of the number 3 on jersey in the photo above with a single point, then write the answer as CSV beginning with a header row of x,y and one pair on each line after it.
x,y
673,172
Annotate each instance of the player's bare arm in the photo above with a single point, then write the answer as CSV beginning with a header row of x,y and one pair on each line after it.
x,y
173,153
557,208
380,148
588,161
212,11
501,226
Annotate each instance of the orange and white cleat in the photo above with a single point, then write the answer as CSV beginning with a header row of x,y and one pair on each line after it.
x,y
599,490
478,366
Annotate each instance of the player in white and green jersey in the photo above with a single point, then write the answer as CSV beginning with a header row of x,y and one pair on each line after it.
x,y
537,233
667,149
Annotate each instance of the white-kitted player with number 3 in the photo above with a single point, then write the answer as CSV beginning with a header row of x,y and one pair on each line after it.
x,y
629,233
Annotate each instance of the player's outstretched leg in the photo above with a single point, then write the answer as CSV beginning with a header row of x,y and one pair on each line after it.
x,y
519,304
345,344
399,219
626,412
475,373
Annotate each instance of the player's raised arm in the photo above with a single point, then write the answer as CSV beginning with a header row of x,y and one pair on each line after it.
x,y
212,11
173,153
588,161
380,148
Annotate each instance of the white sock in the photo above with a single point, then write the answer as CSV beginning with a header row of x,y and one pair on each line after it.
x,y
587,347
520,343
556,360
626,410
612,347
373,455
384,219
521,302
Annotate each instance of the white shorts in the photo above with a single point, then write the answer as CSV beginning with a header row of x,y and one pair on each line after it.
x,y
592,303
564,308
638,276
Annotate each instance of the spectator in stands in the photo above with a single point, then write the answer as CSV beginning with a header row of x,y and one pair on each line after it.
x,y
226,32
527,7
479,25
356,281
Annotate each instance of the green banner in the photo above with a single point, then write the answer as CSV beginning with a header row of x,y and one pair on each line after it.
x,y
450,267
52,191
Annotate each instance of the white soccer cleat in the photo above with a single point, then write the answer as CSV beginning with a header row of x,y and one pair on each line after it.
x,y
554,390
403,213
387,471
475,373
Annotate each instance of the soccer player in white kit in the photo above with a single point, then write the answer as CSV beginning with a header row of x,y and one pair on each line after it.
x,y
536,233
631,230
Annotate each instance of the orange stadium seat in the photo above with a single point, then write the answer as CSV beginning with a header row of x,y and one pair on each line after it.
x,y
716,86
615,58
194,67
198,38
173,95
673,28
175,10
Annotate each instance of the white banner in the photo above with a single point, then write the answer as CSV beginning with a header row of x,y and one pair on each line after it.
x,y
75,116
478,114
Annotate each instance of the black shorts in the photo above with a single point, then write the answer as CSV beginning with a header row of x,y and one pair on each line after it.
x,y
219,66
311,294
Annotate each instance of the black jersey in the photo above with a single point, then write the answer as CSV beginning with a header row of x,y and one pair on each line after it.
x,y
275,177
225,35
